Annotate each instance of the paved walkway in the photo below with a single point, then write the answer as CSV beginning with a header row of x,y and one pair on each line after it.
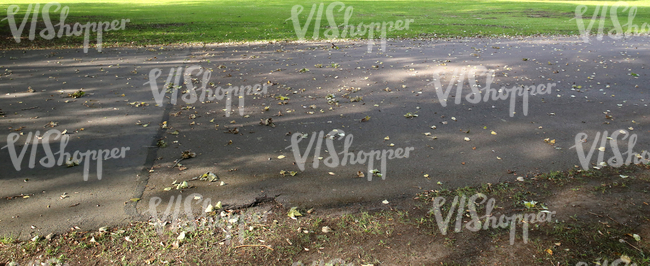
x,y
473,143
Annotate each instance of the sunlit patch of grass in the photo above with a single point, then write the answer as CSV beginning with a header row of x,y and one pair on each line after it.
x,y
222,21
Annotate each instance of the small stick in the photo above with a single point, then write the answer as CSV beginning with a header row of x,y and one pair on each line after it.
x,y
176,162
254,246
632,245
613,219
596,214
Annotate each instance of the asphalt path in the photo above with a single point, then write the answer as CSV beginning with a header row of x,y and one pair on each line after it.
x,y
383,101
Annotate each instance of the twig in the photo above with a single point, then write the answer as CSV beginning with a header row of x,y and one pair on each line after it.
x,y
614,220
254,246
176,162
596,214
632,245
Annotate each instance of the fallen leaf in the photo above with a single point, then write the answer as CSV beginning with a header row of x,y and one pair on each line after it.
x,y
625,259
209,176
182,185
530,204
410,115
188,154
293,212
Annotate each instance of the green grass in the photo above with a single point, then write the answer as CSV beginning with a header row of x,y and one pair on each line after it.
x,y
172,22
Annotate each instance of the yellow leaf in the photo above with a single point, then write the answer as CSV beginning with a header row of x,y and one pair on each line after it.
x,y
293,212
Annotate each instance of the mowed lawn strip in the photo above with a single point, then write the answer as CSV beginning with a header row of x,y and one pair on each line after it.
x,y
177,22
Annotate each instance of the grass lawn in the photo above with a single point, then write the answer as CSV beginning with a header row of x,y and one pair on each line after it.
x,y
217,21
